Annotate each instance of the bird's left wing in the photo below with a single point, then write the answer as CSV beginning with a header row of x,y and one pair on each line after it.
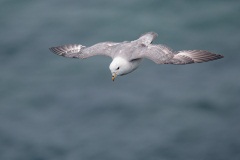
x,y
80,51
159,54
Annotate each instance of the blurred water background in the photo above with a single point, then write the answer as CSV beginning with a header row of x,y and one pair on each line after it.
x,y
69,109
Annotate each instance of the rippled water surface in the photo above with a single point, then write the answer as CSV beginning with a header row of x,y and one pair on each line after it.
x,y
69,109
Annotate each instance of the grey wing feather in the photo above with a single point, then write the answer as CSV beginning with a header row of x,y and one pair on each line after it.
x,y
80,51
70,50
194,56
160,54
104,48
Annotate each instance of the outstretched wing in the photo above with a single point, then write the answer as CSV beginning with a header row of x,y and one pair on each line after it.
x,y
80,51
159,54
193,56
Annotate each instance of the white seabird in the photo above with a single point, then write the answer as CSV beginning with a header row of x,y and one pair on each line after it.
x,y
126,56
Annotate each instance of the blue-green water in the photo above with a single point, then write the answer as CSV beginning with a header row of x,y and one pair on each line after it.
x,y
68,109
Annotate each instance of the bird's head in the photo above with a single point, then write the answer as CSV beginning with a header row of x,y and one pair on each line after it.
x,y
119,66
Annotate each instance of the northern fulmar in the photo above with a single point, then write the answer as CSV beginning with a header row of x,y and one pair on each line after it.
x,y
126,56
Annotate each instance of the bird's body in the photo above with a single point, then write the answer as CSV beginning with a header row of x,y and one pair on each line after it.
x,y
128,55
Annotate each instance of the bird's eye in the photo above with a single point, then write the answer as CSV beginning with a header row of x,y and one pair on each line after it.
x,y
118,68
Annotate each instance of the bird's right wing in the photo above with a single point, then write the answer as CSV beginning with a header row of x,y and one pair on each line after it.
x,y
69,50
80,51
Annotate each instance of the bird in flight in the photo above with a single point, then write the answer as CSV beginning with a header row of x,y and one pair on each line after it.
x,y
127,56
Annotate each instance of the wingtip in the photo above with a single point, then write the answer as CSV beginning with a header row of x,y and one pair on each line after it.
x,y
221,56
154,34
54,50
197,56
51,49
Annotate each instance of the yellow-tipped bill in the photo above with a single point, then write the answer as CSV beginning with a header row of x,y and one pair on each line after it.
x,y
114,75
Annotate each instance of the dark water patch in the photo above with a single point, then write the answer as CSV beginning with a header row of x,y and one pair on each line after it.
x,y
205,105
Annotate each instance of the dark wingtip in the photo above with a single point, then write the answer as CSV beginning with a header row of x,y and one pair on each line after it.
x,y
51,49
221,56
56,50
218,56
